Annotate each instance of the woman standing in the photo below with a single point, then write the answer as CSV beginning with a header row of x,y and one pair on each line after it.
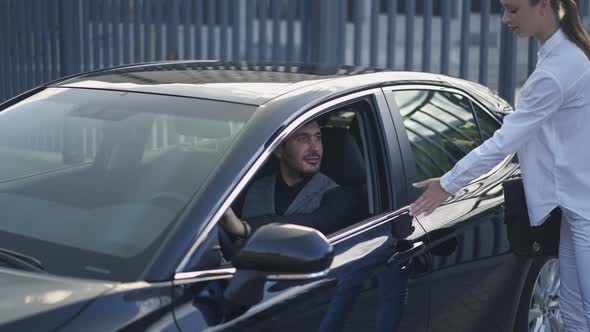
x,y
549,130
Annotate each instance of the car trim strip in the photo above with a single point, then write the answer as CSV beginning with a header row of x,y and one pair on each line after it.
x,y
367,225
228,273
295,276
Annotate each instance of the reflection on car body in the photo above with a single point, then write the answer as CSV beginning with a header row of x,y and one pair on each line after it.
x,y
115,182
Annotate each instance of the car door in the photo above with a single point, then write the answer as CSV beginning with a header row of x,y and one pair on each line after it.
x,y
473,276
373,258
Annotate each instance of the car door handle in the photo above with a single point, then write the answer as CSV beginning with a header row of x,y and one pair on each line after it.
x,y
406,254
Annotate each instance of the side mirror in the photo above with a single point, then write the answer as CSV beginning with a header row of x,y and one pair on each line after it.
x,y
277,252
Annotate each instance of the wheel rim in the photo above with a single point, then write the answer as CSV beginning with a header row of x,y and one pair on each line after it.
x,y
544,314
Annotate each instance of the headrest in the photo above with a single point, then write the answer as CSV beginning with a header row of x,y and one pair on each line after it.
x,y
342,161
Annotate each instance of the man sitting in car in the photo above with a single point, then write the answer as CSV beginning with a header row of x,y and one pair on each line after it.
x,y
298,193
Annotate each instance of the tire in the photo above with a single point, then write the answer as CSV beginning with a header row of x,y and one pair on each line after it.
x,y
538,309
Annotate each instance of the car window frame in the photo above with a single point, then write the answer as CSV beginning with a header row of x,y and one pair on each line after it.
x,y
404,141
259,162
392,166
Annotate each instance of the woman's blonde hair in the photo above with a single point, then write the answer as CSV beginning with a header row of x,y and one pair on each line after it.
x,y
570,22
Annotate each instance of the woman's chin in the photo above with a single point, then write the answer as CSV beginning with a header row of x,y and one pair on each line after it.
x,y
522,34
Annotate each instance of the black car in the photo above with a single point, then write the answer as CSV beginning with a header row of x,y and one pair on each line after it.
x,y
112,183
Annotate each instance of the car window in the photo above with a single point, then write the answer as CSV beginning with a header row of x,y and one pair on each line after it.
x,y
343,162
440,126
487,124
352,159
105,173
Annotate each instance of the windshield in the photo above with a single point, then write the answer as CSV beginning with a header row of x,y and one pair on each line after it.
x,y
91,179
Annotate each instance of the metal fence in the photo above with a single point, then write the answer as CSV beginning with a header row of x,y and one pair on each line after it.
x,y
47,39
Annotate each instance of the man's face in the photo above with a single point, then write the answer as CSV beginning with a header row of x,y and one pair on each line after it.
x,y
301,153
522,17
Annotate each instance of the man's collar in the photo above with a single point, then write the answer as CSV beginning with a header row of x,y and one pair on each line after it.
x,y
297,186
550,45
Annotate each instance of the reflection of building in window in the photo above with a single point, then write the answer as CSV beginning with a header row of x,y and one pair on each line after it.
x,y
487,124
441,129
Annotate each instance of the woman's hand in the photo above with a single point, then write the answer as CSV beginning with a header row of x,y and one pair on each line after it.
x,y
432,198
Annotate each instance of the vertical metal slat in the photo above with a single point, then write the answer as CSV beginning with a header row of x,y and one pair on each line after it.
x,y
158,26
106,34
28,63
427,36
262,42
64,31
14,43
291,30
236,38
391,15
74,59
342,28
137,22
250,12
465,27
410,13
116,25
173,22
446,40
128,43
374,49
582,8
38,41
276,30
484,41
223,31
55,54
4,10
211,50
148,55
46,40
96,38
358,32
86,39
198,10
305,23
186,31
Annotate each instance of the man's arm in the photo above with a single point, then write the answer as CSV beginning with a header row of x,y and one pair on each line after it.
x,y
338,209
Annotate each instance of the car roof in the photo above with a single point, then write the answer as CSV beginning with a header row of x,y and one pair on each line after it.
x,y
247,83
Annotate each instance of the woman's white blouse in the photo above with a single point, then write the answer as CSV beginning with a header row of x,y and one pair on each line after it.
x,y
550,132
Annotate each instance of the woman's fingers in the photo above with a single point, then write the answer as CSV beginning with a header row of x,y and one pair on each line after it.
x,y
431,199
421,184
424,183
418,207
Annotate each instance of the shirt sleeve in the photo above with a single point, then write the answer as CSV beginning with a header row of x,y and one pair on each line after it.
x,y
541,96
339,208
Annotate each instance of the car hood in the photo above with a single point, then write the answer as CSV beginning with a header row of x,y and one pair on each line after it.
x,y
27,294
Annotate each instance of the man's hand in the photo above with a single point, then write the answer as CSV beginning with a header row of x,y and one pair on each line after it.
x,y
432,198
231,223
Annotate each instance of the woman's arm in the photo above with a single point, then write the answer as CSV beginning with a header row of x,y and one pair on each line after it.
x,y
540,98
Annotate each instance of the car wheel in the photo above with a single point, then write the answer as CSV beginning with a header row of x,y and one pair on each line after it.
x,y
539,303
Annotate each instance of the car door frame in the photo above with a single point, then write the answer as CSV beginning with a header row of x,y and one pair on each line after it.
x,y
396,179
508,167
